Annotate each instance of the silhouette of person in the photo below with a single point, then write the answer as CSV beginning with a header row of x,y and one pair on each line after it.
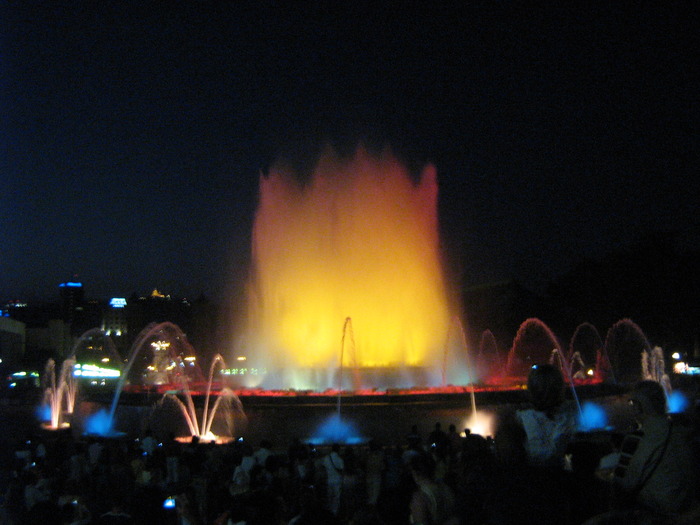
x,y
551,422
655,474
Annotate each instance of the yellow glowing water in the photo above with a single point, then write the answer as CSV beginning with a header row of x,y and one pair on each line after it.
x,y
359,239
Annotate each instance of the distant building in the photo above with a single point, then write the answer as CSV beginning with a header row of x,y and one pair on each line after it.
x,y
72,298
115,323
12,340
79,314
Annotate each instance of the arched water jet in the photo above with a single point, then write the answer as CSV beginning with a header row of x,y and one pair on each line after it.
x,y
489,364
226,401
624,345
95,346
532,345
206,421
587,342
174,337
585,349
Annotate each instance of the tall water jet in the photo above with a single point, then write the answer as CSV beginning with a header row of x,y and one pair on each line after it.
x,y
457,368
358,239
654,368
59,392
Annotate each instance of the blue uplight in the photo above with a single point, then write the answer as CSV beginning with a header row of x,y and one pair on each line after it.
x,y
593,417
99,423
43,412
677,402
335,430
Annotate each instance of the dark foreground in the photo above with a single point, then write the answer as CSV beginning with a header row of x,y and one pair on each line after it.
x,y
274,476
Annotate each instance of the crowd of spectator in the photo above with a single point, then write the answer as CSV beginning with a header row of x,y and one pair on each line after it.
x,y
529,473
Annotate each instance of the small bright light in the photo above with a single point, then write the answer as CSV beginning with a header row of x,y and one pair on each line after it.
x,y
105,359
590,372
95,371
241,358
676,355
190,358
680,367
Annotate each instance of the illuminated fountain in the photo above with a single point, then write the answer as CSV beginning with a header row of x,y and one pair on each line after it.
x,y
165,357
624,344
93,358
479,421
358,239
97,362
227,404
588,356
489,363
533,344
59,393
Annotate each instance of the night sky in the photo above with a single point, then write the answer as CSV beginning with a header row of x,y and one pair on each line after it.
x,y
132,134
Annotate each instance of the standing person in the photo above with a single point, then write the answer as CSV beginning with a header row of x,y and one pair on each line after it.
x,y
454,440
334,466
432,502
511,491
655,474
149,443
551,422
437,438
171,449
374,470
263,452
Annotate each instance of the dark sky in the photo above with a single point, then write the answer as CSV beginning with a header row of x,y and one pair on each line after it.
x,y
132,133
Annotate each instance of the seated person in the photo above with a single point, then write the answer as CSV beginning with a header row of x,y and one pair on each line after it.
x,y
655,474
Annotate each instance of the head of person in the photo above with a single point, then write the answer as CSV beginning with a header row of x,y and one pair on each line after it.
x,y
649,399
422,467
545,385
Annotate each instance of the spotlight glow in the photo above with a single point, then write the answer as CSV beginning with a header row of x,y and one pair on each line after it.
x,y
482,423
